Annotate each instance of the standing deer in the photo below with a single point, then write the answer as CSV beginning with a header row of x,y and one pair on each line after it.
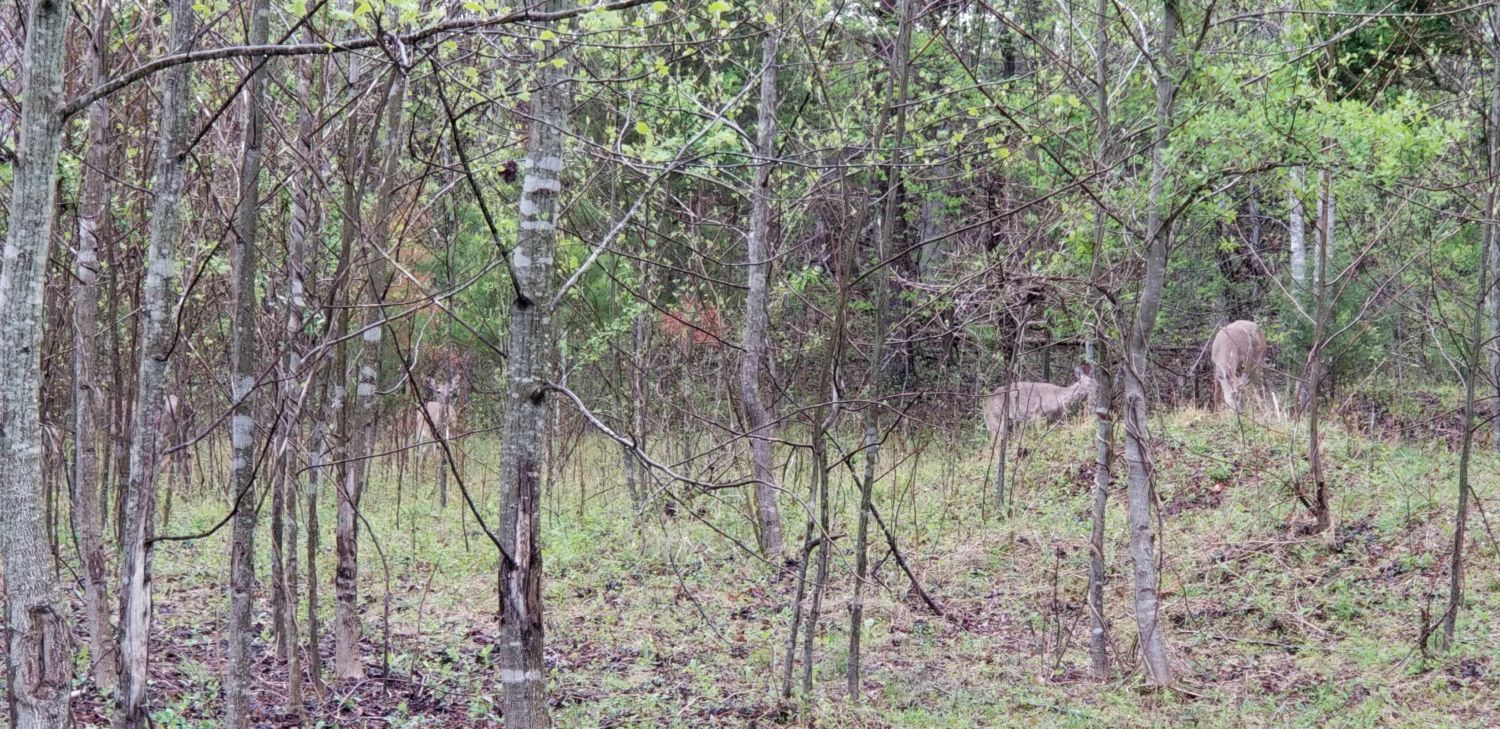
x,y
433,423
1237,351
1029,400
437,418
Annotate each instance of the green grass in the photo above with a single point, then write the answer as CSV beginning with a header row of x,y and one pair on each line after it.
x,y
661,621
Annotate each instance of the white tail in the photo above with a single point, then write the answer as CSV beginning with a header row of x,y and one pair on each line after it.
x,y
1238,350
1030,400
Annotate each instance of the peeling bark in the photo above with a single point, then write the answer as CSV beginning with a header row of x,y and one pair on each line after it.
x,y
531,352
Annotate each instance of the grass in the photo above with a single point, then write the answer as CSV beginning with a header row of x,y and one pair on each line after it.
x,y
660,621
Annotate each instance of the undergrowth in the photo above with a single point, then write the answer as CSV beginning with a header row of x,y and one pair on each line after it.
x,y
658,619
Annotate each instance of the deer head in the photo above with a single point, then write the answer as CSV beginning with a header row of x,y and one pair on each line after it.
x,y
1238,350
1028,400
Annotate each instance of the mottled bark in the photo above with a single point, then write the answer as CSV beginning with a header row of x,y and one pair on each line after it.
x,y
242,362
527,368
1141,495
89,394
757,316
40,668
1297,232
293,397
156,333
362,418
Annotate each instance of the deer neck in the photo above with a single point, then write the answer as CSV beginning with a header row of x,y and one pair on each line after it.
x,y
1072,395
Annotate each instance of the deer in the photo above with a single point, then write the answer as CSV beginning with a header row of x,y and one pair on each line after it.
x,y
1237,351
692,325
436,419
1036,400
434,422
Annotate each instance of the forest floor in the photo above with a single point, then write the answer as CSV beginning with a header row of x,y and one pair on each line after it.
x,y
665,621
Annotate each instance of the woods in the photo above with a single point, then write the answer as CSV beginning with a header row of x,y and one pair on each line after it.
x,y
705,363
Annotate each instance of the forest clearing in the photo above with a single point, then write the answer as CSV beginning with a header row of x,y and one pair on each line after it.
x,y
636,363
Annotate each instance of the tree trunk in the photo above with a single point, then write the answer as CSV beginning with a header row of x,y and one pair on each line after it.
x,y
1103,379
301,224
367,363
896,92
1297,233
1313,367
156,340
242,361
1476,345
1154,652
757,315
527,369
40,667
88,392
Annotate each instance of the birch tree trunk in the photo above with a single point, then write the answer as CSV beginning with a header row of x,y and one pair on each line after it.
x,y
39,652
367,363
527,368
1297,233
1137,438
757,315
242,361
156,334
88,394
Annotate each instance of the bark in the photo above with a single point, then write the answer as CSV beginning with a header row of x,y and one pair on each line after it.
x,y
1103,380
1476,345
897,93
635,478
322,450
301,222
524,430
39,665
1312,368
1154,652
156,334
367,362
242,362
89,395
1326,223
1297,233
757,315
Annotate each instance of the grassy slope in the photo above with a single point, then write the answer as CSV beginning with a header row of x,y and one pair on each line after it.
x,y
664,622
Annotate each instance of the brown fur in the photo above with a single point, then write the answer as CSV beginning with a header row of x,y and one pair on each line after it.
x,y
1238,350
1030,400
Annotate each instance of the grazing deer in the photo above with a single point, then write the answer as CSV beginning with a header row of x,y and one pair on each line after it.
x,y
1237,351
1031,400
